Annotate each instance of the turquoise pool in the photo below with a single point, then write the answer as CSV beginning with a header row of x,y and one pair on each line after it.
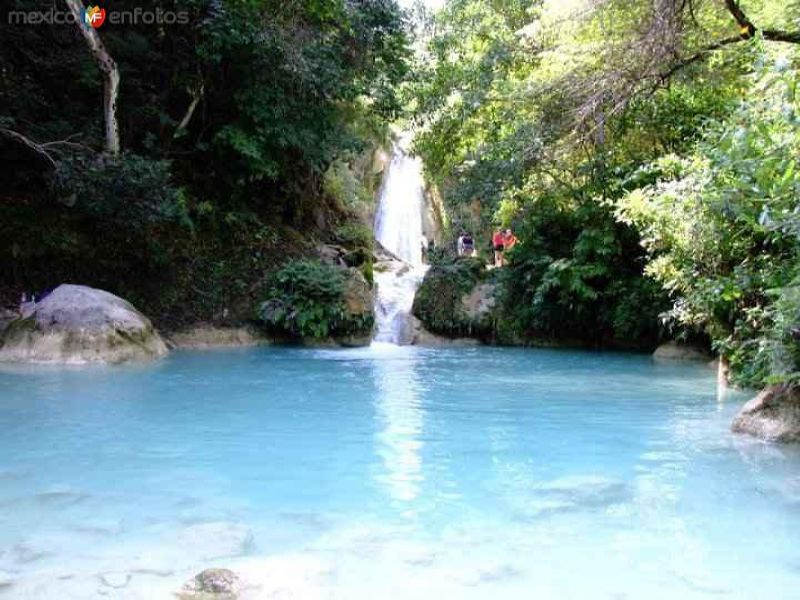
x,y
391,473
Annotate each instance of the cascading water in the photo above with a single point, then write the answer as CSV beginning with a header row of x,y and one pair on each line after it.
x,y
398,228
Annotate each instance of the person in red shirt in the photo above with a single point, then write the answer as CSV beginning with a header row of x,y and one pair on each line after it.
x,y
509,240
498,244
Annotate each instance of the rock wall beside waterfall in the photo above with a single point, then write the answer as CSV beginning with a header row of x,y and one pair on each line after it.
x,y
457,300
434,217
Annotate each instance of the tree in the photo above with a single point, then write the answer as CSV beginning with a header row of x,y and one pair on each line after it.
x,y
110,74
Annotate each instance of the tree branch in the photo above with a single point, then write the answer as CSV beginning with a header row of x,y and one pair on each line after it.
x,y
110,74
36,147
197,95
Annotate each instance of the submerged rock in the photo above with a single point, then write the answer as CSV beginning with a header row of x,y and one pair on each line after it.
x,y
212,584
678,351
586,491
773,415
79,324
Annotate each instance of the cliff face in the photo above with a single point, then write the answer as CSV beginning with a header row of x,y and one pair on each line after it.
x,y
434,217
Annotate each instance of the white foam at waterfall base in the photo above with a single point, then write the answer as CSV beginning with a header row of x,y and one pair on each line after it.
x,y
398,228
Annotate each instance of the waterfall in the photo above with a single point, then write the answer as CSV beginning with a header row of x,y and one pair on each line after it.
x,y
398,228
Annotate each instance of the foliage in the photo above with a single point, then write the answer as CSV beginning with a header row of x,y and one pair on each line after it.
x,y
132,191
354,234
307,299
578,276
228,124
721,227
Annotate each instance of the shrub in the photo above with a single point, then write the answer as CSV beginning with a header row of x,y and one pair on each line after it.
x,y
308,299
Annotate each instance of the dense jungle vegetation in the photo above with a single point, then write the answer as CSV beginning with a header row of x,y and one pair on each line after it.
x,y
242,133
644,152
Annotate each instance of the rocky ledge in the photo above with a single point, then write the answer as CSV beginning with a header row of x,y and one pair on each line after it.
x,y
206,336
773,415
78,324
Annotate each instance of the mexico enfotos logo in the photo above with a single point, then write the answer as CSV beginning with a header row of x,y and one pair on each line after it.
x,y
94,17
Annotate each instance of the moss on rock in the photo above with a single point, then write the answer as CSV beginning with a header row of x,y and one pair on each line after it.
x,y
457,300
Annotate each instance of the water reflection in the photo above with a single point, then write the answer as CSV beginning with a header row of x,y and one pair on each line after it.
x,y
400,420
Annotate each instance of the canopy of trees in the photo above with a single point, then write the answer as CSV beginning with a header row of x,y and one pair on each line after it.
x,y
645,153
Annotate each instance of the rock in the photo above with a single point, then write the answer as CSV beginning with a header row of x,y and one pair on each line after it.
x,y
79,324
382,255
208,336
359,302
212,584
480,302
773,415
331,254
585,491
678,351
419,336
454,300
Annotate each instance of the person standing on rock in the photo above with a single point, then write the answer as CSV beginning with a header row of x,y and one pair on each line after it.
x,y
467,245
509,240
498,245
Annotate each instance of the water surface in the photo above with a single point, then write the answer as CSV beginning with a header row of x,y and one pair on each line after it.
x,y
391,473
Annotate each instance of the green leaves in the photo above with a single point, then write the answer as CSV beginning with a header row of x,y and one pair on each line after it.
x,y
306,299
722,230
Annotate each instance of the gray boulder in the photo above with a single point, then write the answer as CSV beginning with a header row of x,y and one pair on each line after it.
x,y
78,324
773,415
678,351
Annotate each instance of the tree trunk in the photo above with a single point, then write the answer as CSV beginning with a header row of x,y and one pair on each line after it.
x,y
110,75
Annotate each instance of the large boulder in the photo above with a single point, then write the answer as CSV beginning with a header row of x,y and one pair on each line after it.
x,y
456,301
79,324
678,351
773,415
